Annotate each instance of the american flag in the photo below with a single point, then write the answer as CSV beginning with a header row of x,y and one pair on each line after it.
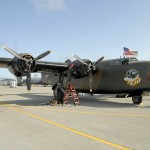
x,y
128,52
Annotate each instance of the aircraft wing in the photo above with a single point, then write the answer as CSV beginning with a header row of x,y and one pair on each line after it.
x,y
44,66
4,62
49,66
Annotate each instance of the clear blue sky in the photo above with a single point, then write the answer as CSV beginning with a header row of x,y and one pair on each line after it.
x,y
89,28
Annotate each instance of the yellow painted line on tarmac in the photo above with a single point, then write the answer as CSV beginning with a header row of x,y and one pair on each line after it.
x,y
92,113
68,128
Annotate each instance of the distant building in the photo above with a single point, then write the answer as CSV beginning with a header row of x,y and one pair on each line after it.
x,y
6,82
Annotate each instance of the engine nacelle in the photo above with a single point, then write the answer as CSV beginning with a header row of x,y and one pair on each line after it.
x,y
80,70
19,67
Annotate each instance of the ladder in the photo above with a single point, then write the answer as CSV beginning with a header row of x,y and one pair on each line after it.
x,y
71,92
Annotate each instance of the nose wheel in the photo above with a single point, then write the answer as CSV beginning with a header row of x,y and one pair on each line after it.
x,y
137,99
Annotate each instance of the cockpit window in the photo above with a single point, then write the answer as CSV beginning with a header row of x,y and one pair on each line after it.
x,y
132,59
123,61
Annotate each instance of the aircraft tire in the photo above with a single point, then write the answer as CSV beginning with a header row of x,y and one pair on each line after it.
x,y
137,99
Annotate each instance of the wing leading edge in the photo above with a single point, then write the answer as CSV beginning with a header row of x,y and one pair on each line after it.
x,y
4,62
44,66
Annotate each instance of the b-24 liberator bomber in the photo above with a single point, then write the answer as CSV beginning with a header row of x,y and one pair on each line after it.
x,y
115,76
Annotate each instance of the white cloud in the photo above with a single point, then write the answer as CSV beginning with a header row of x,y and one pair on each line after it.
x,y
44,5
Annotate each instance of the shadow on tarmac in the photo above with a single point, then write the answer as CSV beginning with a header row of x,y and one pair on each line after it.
x,y
33,99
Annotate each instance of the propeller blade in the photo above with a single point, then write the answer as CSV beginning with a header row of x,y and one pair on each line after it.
x,y
78,58
28,81
12,52
42,55
99,60
90,83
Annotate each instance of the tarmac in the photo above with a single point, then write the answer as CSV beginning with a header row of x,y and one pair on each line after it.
x,y
101,122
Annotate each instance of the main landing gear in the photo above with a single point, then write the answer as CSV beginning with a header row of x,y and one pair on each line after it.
x,y
137,99
59,94
58,90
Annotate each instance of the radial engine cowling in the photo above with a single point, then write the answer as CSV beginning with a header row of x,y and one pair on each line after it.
x,y
80,70
19,67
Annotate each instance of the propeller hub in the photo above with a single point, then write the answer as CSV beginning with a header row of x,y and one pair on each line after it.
x,y
28,62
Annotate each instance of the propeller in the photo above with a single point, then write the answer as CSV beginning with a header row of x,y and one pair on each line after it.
x,y
90,83
78,58
91,66
28,80
42,55
99,60
28,63
12,52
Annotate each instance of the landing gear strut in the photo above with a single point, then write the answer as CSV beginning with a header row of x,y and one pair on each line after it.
x,y
59,90
137,99
59,94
